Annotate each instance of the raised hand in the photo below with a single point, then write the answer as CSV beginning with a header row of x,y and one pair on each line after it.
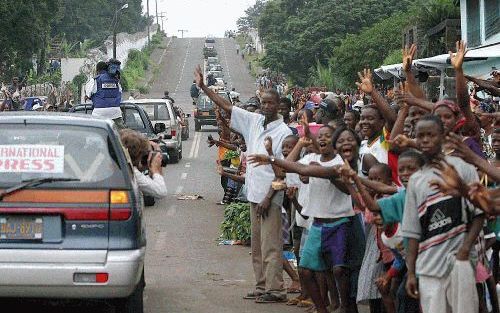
x,y
305,141
365,83
408,56
268,144
450,183
258,159
459,148
400,142
304,121
198,76
457,59
481,197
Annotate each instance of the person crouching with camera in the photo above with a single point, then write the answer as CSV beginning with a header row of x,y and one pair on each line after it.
x,y
145,159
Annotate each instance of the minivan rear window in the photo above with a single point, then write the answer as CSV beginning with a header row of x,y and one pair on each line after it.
x,y
38,151
156,111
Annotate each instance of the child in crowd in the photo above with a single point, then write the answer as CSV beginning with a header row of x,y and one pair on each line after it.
x,y
390,209
441,231
331,210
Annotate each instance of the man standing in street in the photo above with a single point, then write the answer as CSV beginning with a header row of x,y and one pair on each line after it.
x,y
265,203
106,94
195,92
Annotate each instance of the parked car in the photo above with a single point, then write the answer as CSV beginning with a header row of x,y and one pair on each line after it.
x,y
162,111
215,67
216,74
204,113
212,61
137,119
71,214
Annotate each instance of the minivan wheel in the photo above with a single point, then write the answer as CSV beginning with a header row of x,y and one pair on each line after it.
x,y
133,303
197,126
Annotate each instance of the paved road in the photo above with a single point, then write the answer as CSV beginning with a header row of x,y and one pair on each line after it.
x,y
186,271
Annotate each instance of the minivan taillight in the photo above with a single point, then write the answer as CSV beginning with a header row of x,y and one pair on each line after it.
x,y
195,112
173,132
120,205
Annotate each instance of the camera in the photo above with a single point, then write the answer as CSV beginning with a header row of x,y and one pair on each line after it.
x,y
164,158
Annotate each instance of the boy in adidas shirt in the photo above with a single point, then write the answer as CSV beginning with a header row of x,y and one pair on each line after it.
x,y
441,231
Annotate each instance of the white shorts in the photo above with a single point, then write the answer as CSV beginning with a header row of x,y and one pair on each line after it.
x,y
455,293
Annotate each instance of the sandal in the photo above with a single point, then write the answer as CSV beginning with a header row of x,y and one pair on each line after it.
x,y
294,301
270,298
253,295
305,303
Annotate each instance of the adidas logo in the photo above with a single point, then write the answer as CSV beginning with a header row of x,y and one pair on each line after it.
x,y
439,220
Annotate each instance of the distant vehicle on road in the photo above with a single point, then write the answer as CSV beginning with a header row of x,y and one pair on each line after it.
x,y
204,113
210,40
137,119
162,110
85,237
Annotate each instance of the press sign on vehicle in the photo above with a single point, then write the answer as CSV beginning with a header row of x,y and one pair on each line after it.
x,y
31,159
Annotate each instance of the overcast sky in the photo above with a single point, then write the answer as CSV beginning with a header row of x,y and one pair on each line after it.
x,y
199,17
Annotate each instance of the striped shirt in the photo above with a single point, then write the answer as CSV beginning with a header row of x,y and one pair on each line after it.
x,y
437,221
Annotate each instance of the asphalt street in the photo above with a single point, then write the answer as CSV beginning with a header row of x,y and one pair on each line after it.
x,y
186,270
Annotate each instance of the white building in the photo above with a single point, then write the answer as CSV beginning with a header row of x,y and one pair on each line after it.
x,y
480,24
480,27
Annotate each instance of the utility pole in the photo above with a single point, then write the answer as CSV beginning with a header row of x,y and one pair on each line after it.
x,y
147,14
163,15
156,3
182,31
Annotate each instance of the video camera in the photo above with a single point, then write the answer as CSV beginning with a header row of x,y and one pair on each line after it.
x,y
114,67
164,158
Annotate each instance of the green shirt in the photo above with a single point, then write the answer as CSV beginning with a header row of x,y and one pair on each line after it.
x,y
391,208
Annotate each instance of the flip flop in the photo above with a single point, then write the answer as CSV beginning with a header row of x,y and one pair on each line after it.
x,y
270,298
305,303
293,301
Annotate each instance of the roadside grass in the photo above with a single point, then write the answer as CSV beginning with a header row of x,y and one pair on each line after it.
x,y
134,73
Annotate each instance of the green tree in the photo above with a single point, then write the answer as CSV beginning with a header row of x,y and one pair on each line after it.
x,y
24,34
94,19
369,48
299,33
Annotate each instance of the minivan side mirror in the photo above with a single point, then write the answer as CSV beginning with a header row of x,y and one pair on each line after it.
x,y
160,127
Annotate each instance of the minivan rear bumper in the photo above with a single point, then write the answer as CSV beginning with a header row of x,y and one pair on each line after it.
x,y
56,280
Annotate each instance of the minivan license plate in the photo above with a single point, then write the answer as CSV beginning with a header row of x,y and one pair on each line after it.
x,y
205,113
21,228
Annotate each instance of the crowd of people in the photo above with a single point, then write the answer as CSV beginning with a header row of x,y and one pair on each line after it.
x,y
16,97
388,198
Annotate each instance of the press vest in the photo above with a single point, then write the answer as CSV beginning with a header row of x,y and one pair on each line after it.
x,y
108,92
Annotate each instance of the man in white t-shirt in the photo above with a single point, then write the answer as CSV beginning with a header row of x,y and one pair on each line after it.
x,y
265,211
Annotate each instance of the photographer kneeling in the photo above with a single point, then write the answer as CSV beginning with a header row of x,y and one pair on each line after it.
x,y
145,159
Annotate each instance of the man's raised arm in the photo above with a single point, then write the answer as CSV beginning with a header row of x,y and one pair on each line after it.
x,y
218,100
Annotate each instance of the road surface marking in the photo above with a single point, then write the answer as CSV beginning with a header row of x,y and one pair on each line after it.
x,y
184,175
197,149
197,137
187,165
183,65
179,190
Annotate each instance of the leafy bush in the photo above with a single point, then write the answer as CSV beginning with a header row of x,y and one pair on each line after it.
x,y
236,224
